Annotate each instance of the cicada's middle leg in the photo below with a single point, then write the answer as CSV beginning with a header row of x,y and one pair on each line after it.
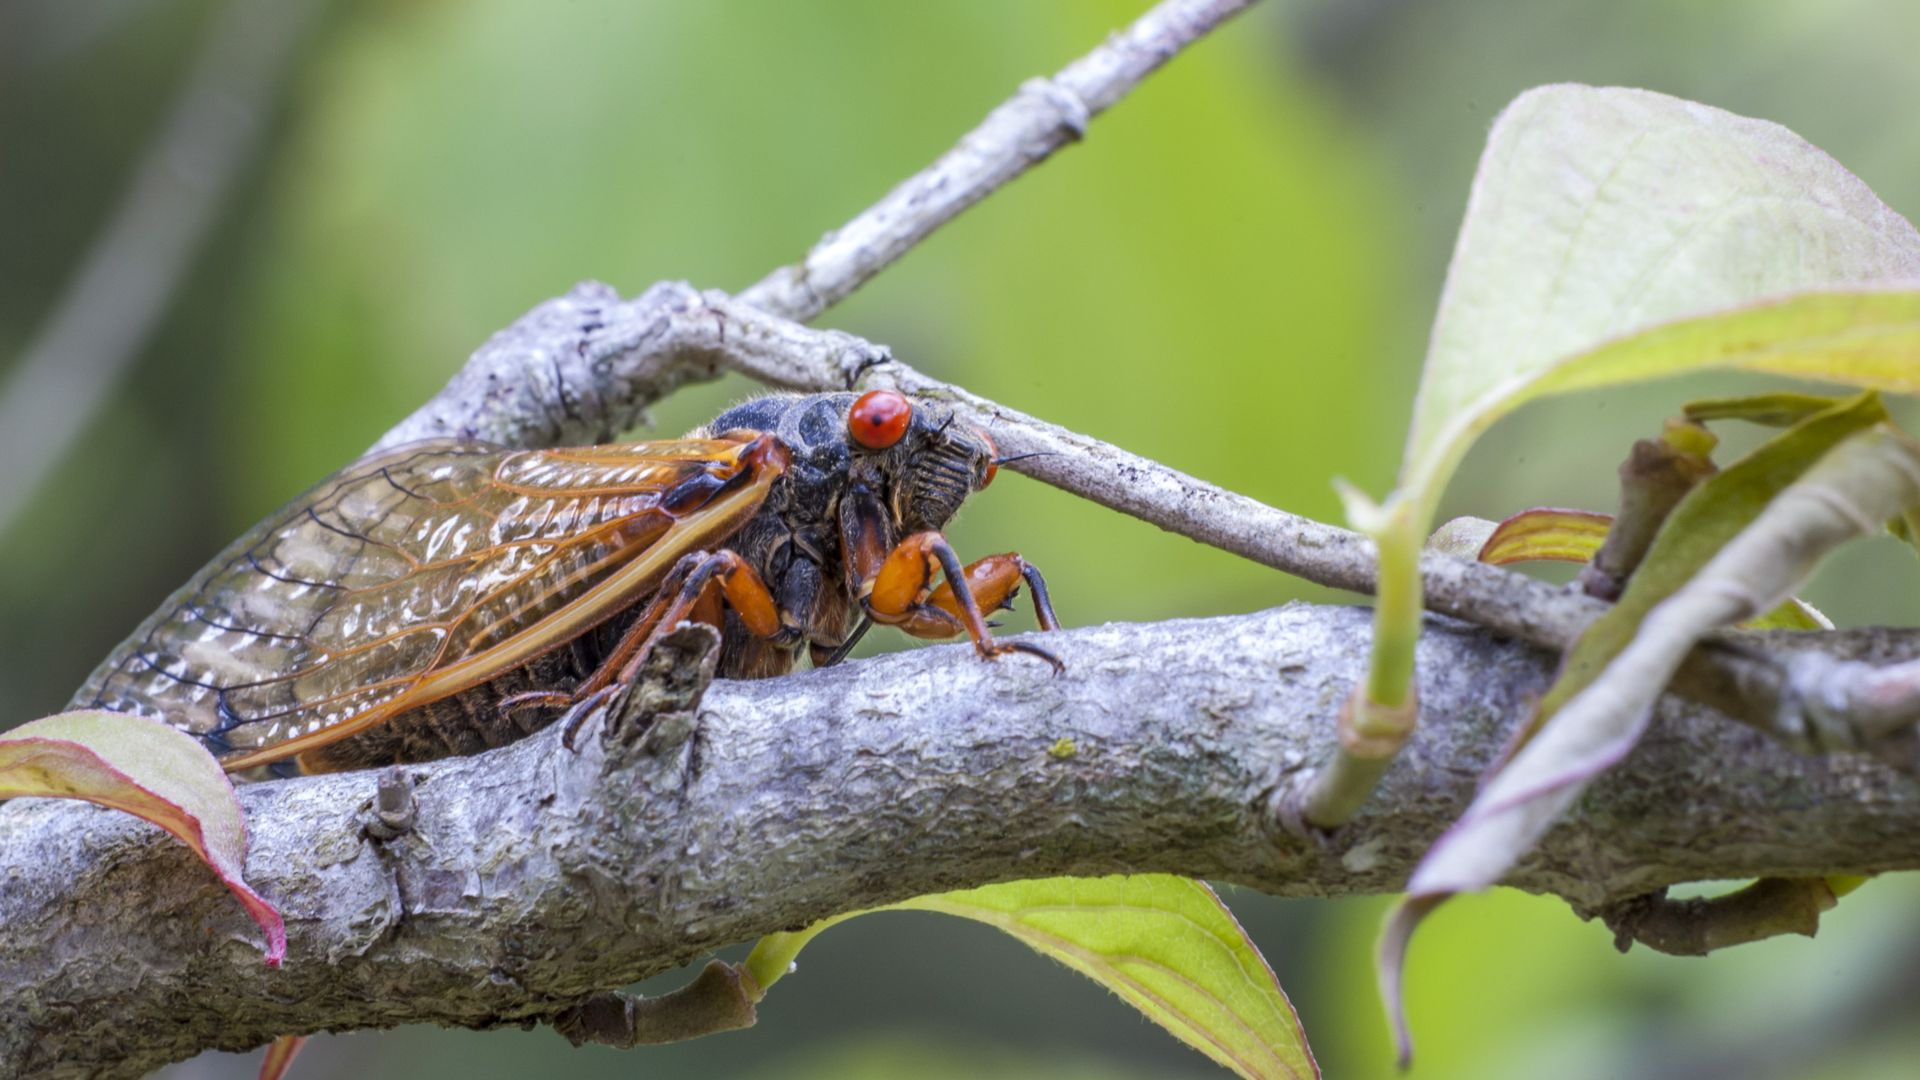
x,y
694,589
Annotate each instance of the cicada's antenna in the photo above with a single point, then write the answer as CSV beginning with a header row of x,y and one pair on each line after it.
x,y
1022,457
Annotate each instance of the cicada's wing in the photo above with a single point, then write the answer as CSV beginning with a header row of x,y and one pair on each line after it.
x,y
413,575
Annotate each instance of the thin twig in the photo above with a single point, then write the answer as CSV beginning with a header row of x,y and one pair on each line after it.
x,y
129,276
1046,115
580,367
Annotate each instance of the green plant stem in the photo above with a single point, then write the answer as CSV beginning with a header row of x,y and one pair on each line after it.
x,y
1380,716
1396,616
772,956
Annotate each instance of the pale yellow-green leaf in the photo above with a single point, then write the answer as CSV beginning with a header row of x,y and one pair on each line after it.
x,y
1166,945
1600,214
1615,235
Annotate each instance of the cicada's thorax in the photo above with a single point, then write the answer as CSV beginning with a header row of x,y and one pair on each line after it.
x,y
794,542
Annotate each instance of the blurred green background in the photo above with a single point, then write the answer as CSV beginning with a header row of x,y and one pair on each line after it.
x,y
1233,274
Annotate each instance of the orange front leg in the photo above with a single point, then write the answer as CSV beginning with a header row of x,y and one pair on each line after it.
x,y
994,581
901,594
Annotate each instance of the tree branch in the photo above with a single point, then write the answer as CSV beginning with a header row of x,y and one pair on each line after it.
x,y
584,366
533,878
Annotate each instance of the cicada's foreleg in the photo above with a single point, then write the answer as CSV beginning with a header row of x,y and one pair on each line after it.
x,y
696,595
994,582
901,594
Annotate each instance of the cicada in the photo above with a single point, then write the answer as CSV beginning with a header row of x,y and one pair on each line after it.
x,y
449,596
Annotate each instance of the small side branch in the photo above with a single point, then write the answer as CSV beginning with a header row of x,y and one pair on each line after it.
x,y
1767,908
721,998
1046,115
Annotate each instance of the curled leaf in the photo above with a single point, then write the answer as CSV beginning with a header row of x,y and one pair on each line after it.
x,y
1546,533
1573,536
147,769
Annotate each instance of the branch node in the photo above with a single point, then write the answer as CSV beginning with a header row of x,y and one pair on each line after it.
x,y
1317,802
1829,704
1767,908
391,813
1657,474
860,358
720,999
1070,111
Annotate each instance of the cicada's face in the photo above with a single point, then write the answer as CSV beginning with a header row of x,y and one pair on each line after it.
x,y
934,466
913,455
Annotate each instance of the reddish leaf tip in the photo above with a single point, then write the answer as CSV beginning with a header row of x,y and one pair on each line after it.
x,y
147,769
279,1056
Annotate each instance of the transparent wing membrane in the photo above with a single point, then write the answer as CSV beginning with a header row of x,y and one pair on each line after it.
x,y
394,569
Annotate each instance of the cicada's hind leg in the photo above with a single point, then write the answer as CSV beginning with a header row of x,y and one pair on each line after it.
x,y
697,587
900,593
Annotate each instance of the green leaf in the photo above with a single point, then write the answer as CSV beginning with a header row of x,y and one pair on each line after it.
x,y
147,769
1166,945
1616,235
1783,409
1598,215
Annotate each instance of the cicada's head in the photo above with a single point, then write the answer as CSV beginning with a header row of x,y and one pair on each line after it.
x,y
914,455
929,460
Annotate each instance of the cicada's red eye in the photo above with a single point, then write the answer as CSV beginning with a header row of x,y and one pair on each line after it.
x,y
879,418
993,462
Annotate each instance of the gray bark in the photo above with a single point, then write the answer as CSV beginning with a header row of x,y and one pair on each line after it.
x,y
533,877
